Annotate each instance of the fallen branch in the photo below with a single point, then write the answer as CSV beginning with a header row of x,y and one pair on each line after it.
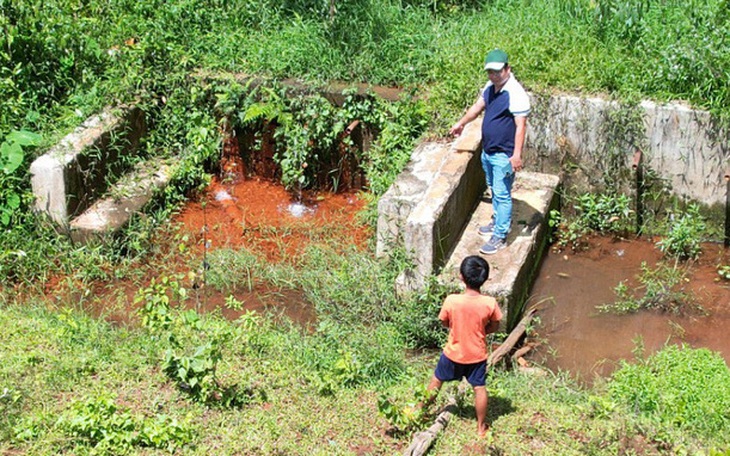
x,y
512,339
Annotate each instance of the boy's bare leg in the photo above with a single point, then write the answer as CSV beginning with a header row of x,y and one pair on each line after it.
x,y
480,405
435,384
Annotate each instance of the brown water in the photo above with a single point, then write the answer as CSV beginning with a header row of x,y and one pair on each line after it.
x,y
573,336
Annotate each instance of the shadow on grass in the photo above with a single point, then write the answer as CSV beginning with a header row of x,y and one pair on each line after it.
x,y
497,407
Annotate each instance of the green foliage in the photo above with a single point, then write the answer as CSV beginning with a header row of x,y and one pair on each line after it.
x,y
11,159
602,213
401,124
683,238
311,137
679,387
111,430
416,317
663,290
406,414
157,315
195,345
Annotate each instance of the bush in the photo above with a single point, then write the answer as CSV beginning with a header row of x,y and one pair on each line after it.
x,y
679,387
417,317
683,235
595,213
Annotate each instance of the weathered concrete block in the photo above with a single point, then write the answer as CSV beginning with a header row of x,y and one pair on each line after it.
x,y
682,145
396,205
129,195
71,175
429,195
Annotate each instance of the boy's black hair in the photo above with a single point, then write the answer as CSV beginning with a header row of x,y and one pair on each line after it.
x,y
475,271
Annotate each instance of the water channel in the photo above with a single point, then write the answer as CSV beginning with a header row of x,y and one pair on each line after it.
x,y
573,335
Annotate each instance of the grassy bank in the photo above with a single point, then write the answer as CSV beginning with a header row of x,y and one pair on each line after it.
x,y
77,385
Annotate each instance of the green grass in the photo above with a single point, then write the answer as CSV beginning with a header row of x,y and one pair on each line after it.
x,y
56,360
68,378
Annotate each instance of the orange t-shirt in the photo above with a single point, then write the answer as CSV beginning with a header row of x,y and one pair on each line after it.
x,y
467,318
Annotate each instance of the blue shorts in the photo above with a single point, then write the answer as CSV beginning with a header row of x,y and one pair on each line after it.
x,y
447,370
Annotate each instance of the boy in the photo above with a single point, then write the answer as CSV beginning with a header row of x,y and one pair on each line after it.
x,y
470,316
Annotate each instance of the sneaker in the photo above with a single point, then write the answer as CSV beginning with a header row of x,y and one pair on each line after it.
x,y
493,245
487,229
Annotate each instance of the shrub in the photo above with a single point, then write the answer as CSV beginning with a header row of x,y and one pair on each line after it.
x,y
680,387
683,237
595,213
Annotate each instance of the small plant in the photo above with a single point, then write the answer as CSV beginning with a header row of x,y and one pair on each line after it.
x,y
155,299
662,291
684,235
233,303
195,374
406,415
566,233
111,430
603,214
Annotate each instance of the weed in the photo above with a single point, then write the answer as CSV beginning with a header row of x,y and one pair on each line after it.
x,y
602,213
662,290
111,430
406,414
683,236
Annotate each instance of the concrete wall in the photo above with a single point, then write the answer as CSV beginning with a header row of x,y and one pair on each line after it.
x,y
72,174
683,146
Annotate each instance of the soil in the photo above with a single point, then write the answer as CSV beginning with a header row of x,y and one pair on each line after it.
x,y
574,336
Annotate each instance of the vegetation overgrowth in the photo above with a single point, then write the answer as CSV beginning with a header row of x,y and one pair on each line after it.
x,y
179,381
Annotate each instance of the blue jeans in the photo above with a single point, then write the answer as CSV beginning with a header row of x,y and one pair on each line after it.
x,y
499,174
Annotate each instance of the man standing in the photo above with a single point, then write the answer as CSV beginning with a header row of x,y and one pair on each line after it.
x,y
505,105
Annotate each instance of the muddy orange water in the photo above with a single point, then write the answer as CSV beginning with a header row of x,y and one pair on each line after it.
x,y
252,213
574,336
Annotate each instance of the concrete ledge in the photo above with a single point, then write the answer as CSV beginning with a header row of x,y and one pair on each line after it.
x,y
130,194
426,208
72,174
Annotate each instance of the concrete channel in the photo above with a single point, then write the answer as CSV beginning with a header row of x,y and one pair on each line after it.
x,y
434,208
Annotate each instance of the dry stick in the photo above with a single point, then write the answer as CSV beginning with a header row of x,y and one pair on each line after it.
x,y
512,339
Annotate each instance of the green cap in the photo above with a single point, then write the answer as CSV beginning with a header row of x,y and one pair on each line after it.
x,y
496,60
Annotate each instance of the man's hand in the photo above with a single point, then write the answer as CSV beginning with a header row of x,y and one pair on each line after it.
x,y
456,129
